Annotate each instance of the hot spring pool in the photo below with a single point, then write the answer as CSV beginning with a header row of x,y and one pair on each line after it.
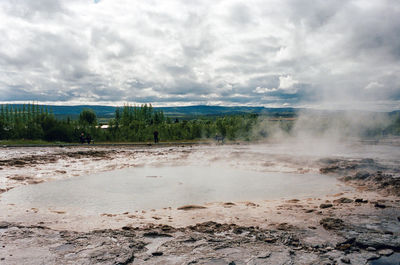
x,y
158,187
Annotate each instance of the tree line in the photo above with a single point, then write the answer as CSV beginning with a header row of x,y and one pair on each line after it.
x,y
33,122
137,124
129,124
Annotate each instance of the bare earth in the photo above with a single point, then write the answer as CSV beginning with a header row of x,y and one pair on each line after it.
x,y
356,226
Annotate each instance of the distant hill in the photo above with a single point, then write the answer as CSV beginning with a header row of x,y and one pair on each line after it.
x,y
202,110
181,112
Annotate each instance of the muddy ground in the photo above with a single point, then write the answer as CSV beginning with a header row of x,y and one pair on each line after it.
x,y
360,225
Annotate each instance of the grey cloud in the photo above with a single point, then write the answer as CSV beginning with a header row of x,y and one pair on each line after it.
x,y
303,92
171,99
178,71
135,82
200,43
28,9
250,57
387,87
314,14
240,14
104,39
201,51
376,35
184,87
270,81
21,93
49,52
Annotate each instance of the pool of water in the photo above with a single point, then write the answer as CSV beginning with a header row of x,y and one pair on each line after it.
x,y
158,187
393,259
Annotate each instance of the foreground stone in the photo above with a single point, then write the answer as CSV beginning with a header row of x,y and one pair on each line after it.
x,y
204,243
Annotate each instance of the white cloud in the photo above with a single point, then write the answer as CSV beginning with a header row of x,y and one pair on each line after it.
x,y
297,52
263,90
286,82
373,86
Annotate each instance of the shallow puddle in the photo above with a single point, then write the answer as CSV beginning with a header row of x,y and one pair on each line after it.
x,y
393,259
153,188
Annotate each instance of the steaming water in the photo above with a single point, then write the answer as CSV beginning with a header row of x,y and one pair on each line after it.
x,y
153,188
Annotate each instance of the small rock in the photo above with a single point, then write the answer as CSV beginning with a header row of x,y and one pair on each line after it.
x,y
332,223
191,207
361,200
232,263
345,260
378,205
343,247
311,210
385,252
362,175
154,234
343,200
238,230
264,255
374,256
157,253
4,225
284,226
371,249
347,244
325,205
270,240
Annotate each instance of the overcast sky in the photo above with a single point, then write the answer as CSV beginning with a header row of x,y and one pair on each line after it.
x,y
321,53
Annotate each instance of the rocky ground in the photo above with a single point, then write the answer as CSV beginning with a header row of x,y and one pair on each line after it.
x,y
365,174
357,226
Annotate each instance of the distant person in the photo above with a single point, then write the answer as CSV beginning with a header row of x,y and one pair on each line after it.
x,y
155,133
88,138
219,138
82,138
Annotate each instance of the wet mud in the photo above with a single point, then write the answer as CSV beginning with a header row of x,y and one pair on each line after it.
x,y
366,174
32,160
352,227
203,243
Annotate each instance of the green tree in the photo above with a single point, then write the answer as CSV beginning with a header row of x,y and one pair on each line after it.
x,y
87,117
